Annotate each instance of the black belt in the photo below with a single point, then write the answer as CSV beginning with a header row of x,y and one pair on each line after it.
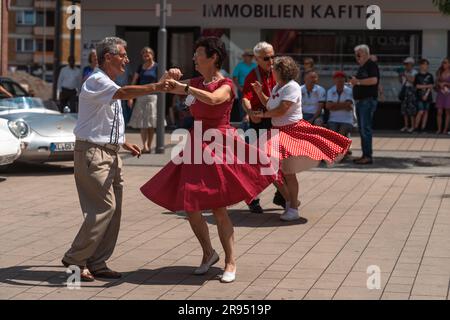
x,y
109,146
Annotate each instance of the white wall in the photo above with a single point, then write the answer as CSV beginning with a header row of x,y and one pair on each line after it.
x,y
396,15
92,34
241,39
434,46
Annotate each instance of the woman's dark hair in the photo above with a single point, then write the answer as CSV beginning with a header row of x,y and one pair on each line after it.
x,y
213,45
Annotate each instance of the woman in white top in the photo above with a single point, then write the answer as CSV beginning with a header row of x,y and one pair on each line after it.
x,y
301,145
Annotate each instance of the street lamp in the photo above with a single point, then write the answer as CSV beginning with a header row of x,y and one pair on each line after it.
x,y
162,55
44,41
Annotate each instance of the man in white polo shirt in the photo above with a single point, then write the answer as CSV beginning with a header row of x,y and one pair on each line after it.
x,y
100,131
340,104
313,99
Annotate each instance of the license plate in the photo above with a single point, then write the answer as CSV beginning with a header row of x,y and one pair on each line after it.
x,y
62,146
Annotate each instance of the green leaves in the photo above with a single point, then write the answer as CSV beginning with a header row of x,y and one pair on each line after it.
x,y
443,6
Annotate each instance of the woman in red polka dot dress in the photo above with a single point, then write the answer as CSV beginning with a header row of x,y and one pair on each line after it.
x,y
301,145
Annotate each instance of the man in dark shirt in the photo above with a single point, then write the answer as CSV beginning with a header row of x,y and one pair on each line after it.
x,y
365,94
263,73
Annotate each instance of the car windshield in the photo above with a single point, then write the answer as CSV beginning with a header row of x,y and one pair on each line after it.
x,y
21,103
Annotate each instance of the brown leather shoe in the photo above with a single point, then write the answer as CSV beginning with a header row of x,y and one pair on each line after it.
x,y
363,161
85,275
107,273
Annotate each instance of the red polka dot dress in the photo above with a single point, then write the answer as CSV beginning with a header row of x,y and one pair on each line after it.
x,y
297,137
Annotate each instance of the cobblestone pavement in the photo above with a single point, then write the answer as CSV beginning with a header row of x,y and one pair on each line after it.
x,y
394,215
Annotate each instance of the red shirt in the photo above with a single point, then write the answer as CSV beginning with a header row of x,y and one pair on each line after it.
x,y
268,82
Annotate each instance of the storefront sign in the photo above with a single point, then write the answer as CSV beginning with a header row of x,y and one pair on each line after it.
x,y
286,11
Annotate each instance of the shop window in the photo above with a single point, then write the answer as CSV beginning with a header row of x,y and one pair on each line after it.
x,y
337,47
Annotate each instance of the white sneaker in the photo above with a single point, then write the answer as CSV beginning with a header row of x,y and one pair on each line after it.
x,y
290,215
286,208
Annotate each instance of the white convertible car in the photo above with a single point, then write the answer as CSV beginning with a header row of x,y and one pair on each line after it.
x,y
10,145
47,134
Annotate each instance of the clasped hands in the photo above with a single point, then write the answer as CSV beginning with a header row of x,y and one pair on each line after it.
x,y
169,80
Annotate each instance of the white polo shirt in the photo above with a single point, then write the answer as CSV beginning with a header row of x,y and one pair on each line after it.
x,y
100,118
311,100
341,116
292,92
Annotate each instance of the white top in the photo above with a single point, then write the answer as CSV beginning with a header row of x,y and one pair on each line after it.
x,y
342,116
311,100
292,92
411,73
100,118
69,78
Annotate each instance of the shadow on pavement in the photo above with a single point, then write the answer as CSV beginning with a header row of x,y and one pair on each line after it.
x,y
393,163
36,169
41,276
244,218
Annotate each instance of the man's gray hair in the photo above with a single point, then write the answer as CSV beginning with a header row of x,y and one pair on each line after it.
x,y
108,45
262,46
363,47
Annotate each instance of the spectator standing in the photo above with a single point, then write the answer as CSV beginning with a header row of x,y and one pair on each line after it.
x,y
443,95
408,95
313,99
365,93
340,104
424,83
240,72
88,70
69,84
145,109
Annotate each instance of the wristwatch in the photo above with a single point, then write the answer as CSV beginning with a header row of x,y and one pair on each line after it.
x,y
186,89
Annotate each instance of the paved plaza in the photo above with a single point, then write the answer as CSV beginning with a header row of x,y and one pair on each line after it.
x,y
393,215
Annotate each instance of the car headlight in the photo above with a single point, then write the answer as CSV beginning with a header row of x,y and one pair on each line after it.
x,y
19,128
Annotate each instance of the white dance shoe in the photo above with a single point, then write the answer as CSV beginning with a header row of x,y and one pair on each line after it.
x,y
204,267
290,215
228,276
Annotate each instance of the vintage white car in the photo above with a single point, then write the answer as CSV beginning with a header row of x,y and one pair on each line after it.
x,y
10,145
47,134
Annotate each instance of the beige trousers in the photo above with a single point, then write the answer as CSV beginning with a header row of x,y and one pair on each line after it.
x,y
98,177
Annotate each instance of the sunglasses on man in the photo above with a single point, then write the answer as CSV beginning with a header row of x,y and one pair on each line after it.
x,y
268,58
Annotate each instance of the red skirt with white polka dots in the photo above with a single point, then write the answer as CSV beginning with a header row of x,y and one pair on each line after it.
x,y
303,139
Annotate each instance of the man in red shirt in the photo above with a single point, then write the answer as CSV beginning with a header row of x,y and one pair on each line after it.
x,y
263,73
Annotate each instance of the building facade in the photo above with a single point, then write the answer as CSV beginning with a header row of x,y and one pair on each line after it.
x,y
323,29
32,36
